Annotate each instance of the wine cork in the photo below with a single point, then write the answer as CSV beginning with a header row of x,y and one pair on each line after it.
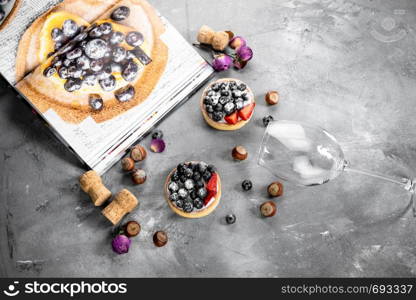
x,y
91,183
220,40
99,194
89,179
205,35
123,203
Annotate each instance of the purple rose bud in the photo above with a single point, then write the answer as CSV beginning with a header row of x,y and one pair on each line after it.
x,y
222,62
237,42
244,53
238,64
157,145
121,244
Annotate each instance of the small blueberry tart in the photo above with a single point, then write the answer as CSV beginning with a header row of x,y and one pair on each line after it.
x,y
193,189
227,104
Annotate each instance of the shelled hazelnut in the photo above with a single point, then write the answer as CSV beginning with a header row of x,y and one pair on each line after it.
x,y
268,209
132,228
275,189
160,238
124,202
127,164
139,176
138,153
239,153
272,97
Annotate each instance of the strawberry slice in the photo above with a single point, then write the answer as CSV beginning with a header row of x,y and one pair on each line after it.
x,y
212,183
232,119
209,197
246,112
212,188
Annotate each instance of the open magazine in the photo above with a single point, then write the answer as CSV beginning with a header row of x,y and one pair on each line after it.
x,y
101,73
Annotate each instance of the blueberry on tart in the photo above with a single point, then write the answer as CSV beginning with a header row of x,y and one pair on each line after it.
x,y
227,104
193,189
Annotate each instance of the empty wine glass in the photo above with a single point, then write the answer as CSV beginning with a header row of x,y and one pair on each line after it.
x,y
308,155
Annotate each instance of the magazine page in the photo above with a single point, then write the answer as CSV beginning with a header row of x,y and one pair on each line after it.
x,y
102,72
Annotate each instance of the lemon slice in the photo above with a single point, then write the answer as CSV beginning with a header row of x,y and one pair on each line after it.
x,y
55,20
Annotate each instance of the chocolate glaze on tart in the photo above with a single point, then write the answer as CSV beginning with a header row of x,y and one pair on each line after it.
x,y
227,104
193,189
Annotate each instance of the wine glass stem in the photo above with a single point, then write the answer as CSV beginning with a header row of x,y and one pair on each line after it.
x,y
402,182
406,183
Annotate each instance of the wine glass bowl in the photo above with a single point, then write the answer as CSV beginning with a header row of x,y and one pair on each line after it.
x,y
308,155
300,153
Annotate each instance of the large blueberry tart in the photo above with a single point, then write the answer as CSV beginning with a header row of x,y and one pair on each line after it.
x,y
227,104
97,68
193,189
8,9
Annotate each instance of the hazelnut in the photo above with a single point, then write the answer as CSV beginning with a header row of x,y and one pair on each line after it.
x,y
275,189
138,153
272,97
268,209
127,164
139,176
230,34
160,239
239,153
132,228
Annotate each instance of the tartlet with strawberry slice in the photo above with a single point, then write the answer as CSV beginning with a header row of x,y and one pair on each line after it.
x,y
227,104
193,189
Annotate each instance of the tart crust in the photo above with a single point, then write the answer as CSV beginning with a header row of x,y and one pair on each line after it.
x,y
27,58
11,14
218,125
195,214
73,112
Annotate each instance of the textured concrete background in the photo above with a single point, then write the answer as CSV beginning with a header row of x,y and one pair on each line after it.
x,y
349,66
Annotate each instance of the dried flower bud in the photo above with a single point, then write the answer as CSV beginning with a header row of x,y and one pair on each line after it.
x,y
244,53
157,145
121,244
239,64
237,42
222,62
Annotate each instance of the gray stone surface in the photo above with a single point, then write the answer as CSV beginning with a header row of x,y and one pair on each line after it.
x,y
349,66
